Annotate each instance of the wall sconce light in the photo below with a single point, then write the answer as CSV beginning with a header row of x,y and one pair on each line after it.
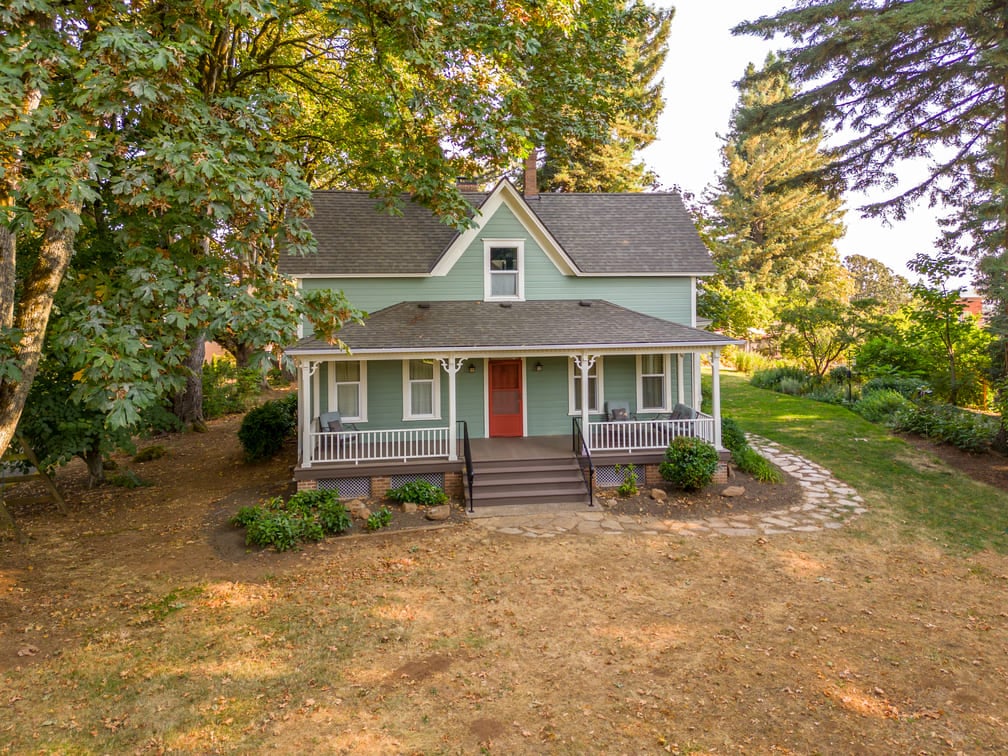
x,y
472,367
538,367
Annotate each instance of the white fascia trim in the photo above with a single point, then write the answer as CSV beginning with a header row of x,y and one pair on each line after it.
x,y
693,302
551,350
505,194
637,274
337,276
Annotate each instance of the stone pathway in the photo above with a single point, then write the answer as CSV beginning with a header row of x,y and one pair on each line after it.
x,y
827,504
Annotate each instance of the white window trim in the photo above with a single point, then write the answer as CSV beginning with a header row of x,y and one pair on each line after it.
x,y
435,390
573,370
666,387
519,245
361,391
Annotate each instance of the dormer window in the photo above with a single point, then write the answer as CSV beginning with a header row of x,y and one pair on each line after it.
x,y
503,265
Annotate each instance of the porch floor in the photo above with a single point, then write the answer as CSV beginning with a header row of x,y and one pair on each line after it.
x,y
529,447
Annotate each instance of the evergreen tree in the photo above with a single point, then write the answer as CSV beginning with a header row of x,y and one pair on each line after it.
x,y
771,232
871,279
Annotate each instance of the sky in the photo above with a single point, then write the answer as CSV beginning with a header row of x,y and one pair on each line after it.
x,y
703,64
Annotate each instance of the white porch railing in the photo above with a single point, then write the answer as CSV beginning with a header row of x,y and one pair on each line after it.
x,y
640,435
377,445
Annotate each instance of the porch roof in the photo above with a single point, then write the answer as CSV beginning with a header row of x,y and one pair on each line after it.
x,y
541,325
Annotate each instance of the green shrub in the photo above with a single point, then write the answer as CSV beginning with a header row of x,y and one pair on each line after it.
x,y
379,519
880,405
750,461
150,453
908,387
228,389
265,429
731,435
419,492
306,516
128,479
839,375
830,394
771,378
965,430
792,386
629,485
748,362
690,463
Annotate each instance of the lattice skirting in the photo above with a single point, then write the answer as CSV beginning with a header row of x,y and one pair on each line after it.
x,y
607,476
347,488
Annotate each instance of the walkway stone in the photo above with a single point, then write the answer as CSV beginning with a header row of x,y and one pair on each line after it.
x,y
826,504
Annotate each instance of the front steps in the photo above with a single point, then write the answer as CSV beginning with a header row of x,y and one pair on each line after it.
x,y
524,485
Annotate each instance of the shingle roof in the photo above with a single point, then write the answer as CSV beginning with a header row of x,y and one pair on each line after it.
x,y
495,326
602,233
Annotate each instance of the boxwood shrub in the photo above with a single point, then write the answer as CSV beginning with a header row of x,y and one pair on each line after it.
x,y
265,429
690,463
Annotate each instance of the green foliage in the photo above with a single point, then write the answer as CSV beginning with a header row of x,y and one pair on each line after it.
x,y
629,485
419,492
880,405
265,429
690,463
772,377
748,460
378,520
792,386
307,516
173,601
128,479
910,388
228,389
732,435
969,431
873,280
747,362
839,375
150,453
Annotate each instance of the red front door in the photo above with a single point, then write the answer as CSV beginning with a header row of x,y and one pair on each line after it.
x,y
505,398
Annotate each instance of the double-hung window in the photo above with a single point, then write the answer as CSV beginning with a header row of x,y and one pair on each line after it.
x,y
421,390
652,382
346,385
503,263
594,387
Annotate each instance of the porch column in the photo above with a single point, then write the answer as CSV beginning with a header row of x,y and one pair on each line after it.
x,y
697,394
451,366
716,395
584,363
680,388
307,368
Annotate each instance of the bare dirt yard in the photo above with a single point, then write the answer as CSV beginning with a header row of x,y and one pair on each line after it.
x,y
141,624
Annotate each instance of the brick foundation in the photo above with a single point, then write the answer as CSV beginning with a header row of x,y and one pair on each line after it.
x,y
307,485
380,484
721,474
652,477
453,486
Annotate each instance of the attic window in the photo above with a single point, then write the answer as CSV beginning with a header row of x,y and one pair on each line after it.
x,y
503,266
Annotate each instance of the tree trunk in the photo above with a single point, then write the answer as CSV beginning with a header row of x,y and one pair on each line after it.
x,y
32,319
188,404
95,467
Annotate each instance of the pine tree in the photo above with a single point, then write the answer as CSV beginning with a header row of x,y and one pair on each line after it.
x,y
771,232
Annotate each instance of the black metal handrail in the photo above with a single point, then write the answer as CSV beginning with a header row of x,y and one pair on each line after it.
x,y
467,455
583,455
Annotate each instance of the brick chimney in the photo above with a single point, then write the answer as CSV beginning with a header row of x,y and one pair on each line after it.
x,y
531,187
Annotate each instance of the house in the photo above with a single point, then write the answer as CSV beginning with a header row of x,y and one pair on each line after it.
x,y
525,357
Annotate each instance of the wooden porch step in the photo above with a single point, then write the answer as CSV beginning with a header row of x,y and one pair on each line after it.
x,y
529,483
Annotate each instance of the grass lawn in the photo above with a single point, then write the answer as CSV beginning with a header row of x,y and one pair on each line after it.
x,y
127,628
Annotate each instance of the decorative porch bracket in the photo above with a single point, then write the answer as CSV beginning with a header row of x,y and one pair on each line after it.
x,y
452,365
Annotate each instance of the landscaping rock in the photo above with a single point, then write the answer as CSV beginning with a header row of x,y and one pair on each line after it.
x,y
354,504
732,491
439,513
658,495
409,507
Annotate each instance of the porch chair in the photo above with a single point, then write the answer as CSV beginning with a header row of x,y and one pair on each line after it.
x,y
332,421
618,411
